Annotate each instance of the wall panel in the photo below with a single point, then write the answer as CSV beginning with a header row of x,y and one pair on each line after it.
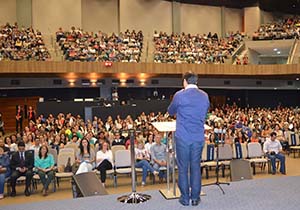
x,y
100,15
200,19
48,16
233,19
8,11
146,15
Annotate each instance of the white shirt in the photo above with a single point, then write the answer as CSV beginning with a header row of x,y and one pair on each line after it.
x,y
270,146
107,155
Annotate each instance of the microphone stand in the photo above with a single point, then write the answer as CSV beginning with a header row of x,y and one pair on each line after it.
x,y
218,183
133,197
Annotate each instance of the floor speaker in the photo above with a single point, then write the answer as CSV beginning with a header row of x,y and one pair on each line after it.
x,y
87,184
240,170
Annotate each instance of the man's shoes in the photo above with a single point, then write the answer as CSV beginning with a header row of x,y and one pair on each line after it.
x,y
283,173
273,172
13,193
183,202
195,202
27,193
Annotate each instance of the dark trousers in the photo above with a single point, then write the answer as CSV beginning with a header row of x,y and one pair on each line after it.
x,y
103,166
19,123
16,174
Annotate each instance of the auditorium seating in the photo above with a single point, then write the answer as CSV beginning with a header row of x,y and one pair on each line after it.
x,y
80,45
19,43
188,48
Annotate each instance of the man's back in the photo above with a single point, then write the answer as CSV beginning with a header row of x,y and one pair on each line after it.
x,y
190,105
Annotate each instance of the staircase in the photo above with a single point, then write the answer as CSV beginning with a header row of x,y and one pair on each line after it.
x,y
53,48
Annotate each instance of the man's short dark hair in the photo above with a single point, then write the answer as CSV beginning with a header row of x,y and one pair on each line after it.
x,y
273,134
191,77
21,144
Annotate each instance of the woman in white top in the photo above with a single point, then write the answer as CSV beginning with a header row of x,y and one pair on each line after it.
x,y
12,146
150,142
104,161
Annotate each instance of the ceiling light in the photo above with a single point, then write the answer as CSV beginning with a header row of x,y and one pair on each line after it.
x,y
278,52
297,78
275,49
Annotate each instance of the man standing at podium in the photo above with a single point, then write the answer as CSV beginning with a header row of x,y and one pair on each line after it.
x,y
190,105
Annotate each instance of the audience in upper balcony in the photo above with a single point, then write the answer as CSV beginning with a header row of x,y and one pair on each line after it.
x,y
79,45
19,43
284,29
199,49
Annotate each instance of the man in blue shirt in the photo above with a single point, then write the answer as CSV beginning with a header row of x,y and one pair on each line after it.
x,y
190,106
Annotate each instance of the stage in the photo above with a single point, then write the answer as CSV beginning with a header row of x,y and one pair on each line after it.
x,y
259,194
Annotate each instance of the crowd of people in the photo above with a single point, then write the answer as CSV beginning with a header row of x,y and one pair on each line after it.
x,y
19,43
94,139
80,45
199,49
288,28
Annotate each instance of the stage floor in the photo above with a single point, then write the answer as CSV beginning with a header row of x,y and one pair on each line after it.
x,y
261,194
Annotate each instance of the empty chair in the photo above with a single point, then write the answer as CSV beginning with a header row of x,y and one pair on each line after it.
x,y
122,163
116,148
256,155
225,156
208,157
294,143
239,150
62,161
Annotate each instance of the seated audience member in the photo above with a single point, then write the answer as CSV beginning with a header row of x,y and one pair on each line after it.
x,y
2,145
104,161
143,161
21,164
159,155
149,143
11,145
85,157
44,163
118,140
241,138
36,146
273,150
4,170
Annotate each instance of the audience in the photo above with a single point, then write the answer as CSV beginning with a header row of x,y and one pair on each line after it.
x,y
22,44
79,45
235,123
199,49
282,29
4,170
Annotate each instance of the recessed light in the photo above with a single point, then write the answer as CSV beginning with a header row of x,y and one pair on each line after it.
x,y
278,52
275,49
297,78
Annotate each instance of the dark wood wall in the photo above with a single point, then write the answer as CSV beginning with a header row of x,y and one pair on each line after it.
x,y
8,110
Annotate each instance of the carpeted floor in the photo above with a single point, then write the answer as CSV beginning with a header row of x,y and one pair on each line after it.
x,y
261,194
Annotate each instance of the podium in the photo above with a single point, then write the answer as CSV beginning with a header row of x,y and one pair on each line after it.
x,y
169,127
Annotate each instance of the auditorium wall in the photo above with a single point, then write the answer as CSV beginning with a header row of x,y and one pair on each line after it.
x,y
146,15
48,16
8,11
100,15
200,19
252,19
233,19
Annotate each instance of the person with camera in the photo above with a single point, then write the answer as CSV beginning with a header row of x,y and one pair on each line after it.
x,y
273,151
